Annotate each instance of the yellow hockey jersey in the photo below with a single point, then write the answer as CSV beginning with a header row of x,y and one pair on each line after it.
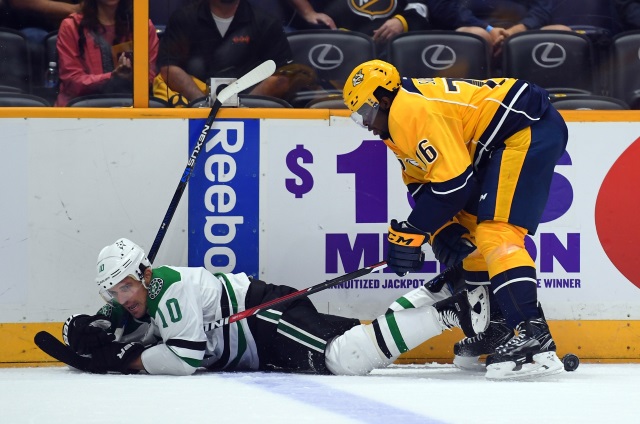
x,y
443,130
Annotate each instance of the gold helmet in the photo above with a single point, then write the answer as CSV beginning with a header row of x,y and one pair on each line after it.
x,y
358,93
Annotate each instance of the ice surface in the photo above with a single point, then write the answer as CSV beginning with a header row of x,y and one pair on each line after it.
x,y
432,393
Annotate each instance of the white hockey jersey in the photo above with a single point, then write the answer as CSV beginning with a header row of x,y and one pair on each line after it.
x,y
183,304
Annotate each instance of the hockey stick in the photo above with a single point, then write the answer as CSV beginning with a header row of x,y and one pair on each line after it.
x,y
256,75
63,353
298,294
60,351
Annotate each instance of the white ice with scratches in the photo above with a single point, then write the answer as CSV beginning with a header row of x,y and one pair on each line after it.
x,y
432,393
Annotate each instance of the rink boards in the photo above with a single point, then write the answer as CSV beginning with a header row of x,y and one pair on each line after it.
x,y
296,198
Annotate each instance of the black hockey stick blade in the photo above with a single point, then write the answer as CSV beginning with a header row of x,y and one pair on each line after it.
x,y
60,351
253,77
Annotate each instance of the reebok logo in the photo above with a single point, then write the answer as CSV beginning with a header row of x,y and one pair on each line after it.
x,y
482,197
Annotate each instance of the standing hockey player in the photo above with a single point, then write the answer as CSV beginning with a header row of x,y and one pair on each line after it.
x,y
177,307
478,158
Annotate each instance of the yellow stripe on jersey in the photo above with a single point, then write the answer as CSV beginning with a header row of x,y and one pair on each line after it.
x,y
510,169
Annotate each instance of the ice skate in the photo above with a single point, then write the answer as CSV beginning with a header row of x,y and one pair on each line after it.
x,y
468,350
530,354
467,310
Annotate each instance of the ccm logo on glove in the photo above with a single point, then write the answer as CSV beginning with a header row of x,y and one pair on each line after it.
x,y
405,253
405,239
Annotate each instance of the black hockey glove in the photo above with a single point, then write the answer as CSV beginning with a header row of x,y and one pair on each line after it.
x,y
451,245
405,252
451,278
82,333
115,356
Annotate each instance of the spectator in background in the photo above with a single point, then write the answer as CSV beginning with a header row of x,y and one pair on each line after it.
x,y
95,50
307,12
629,14
223,39
497,20
35,19
378,20
384,19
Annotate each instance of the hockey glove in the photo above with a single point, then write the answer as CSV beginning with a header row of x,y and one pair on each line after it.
x,y
405,252
451,244
451,279
115,356
82,333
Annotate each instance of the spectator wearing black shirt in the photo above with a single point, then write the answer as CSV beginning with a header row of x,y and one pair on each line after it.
x,y
221,39
629,13
497,20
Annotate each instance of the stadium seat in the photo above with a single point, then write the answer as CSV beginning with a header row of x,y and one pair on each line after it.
x,y
50,49
254,100
14,60
9,89
21,100
440,54
112,100
559,61
246,100
329,102
625,68
332,54
588,102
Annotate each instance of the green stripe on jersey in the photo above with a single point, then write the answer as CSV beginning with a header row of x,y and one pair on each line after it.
x,y
232,294
242,340
195,363
404,302
395,333
301,336
269,315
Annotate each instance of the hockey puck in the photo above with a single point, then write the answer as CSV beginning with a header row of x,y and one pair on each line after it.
x,y
570,362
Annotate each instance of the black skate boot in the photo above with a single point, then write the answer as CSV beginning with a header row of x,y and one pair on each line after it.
x,y
532,353
467,310
468,350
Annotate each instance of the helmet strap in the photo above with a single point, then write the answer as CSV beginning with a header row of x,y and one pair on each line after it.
x,y
140,273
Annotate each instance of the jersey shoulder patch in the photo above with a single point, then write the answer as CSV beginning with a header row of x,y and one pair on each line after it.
x,y
161,279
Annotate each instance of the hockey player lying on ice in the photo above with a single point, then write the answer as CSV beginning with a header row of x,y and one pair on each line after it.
x,y
167,315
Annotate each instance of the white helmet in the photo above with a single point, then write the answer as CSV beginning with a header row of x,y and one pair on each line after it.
x,y
119,260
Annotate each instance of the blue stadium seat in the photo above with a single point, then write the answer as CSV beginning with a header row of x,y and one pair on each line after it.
x,y
625,68
21,100
588,102
440,54
332,54
560,61
15,66
246,100
112,100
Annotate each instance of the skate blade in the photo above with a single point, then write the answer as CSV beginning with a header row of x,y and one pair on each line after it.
x,y
544,364
479,320
469,363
